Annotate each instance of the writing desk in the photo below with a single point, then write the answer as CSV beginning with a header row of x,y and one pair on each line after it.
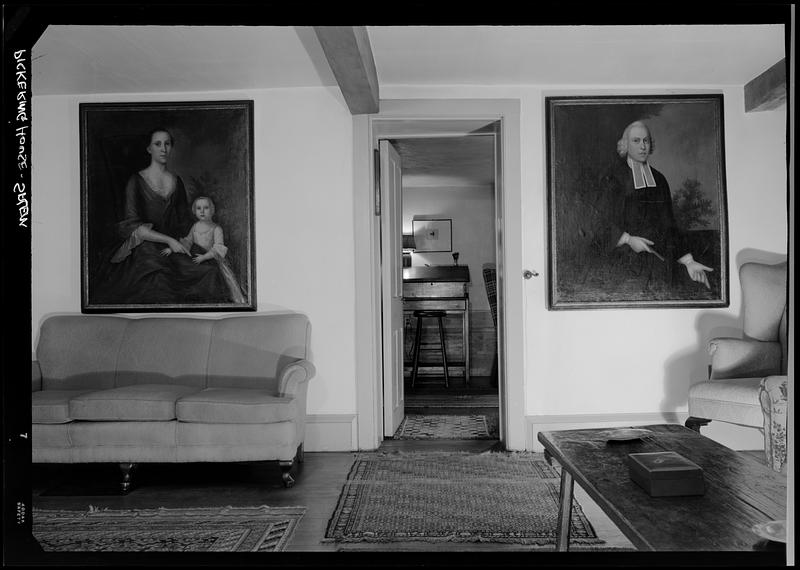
x,y
440,288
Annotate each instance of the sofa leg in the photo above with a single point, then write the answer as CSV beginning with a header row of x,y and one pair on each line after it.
x,y
127,471
696,423
300,454
286,467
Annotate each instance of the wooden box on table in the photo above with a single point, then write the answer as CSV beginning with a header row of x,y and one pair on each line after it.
x,y
666,474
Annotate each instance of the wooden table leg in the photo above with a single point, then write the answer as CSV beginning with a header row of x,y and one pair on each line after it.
x,y
564,511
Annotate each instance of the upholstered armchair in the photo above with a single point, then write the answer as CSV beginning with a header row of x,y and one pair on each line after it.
x,y
748,379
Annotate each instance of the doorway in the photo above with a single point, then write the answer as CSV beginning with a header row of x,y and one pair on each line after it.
x,y
450,365
417,119
446,199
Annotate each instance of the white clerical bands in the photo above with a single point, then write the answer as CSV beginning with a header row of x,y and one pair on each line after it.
x,y
642,175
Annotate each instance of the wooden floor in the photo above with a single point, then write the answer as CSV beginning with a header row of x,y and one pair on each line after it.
x,y
319,481
433,384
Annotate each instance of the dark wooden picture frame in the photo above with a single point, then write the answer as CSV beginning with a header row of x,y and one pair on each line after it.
x,y
592,203
432,236
211,156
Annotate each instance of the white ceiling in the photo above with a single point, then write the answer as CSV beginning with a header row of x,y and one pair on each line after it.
x,y
141,59
450,162
130,59
570,55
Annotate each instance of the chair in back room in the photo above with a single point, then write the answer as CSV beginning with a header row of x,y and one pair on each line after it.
x,y
490,281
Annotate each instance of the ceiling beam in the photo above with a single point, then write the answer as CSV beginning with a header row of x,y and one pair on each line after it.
x,y
768,90
350,57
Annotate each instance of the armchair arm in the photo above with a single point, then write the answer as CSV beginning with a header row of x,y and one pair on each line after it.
x,y
773,395
743,358
293,375
36,376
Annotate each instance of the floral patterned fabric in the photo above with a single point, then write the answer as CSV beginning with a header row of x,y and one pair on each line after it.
x,y
773,395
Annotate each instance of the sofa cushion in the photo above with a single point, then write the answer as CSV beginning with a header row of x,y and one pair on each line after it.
x,y
158,350
734,400
250,351
79,352
235,406
52,406
141,402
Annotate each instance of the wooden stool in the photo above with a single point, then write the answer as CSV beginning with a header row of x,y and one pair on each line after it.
x,y
418,346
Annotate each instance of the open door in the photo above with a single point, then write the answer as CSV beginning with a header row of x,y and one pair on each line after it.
x,y
391,192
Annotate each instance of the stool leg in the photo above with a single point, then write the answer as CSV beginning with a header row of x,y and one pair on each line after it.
x,y
444,353
417,338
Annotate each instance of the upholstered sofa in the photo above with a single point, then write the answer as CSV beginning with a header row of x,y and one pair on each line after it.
x,y
134,390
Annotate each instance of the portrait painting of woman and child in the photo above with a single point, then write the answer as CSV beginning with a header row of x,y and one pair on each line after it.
x,y
637,213
167,207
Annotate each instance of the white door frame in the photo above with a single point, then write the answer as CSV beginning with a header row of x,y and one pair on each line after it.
x,y
369,369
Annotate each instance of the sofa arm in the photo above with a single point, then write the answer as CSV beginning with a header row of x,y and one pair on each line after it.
x,y
293,375
773,395
36,376
743,358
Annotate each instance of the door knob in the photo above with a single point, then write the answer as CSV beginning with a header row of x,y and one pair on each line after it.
x,y
527,274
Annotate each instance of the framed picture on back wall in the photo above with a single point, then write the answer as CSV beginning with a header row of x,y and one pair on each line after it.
x,y
167,207
432,235
637,214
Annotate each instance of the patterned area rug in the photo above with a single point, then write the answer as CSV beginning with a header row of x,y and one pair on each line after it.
x,y
456,497
227,529
417,426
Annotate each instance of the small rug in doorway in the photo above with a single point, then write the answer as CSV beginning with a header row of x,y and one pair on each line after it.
x,y
226,529
439,426
453,497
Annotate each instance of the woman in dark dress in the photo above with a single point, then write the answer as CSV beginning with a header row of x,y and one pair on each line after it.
x,y
643,234
150,265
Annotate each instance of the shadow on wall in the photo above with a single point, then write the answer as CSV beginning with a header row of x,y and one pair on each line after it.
x,y
686,368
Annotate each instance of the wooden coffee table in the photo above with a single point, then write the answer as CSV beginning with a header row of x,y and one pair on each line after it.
x,y
740,491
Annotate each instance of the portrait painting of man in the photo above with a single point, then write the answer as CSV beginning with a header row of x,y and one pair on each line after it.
x,y
636,202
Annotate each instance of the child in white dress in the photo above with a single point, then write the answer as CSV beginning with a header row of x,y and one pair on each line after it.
x,y
208,235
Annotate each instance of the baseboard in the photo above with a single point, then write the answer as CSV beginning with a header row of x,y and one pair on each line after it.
x,y
730,435
339,432
331,432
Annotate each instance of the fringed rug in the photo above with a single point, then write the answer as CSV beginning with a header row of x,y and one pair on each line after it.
x,y
227,529
455,497
437,426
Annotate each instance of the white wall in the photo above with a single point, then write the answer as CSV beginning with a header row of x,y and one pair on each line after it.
x,y
578,362
472,213
634,361
304,219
